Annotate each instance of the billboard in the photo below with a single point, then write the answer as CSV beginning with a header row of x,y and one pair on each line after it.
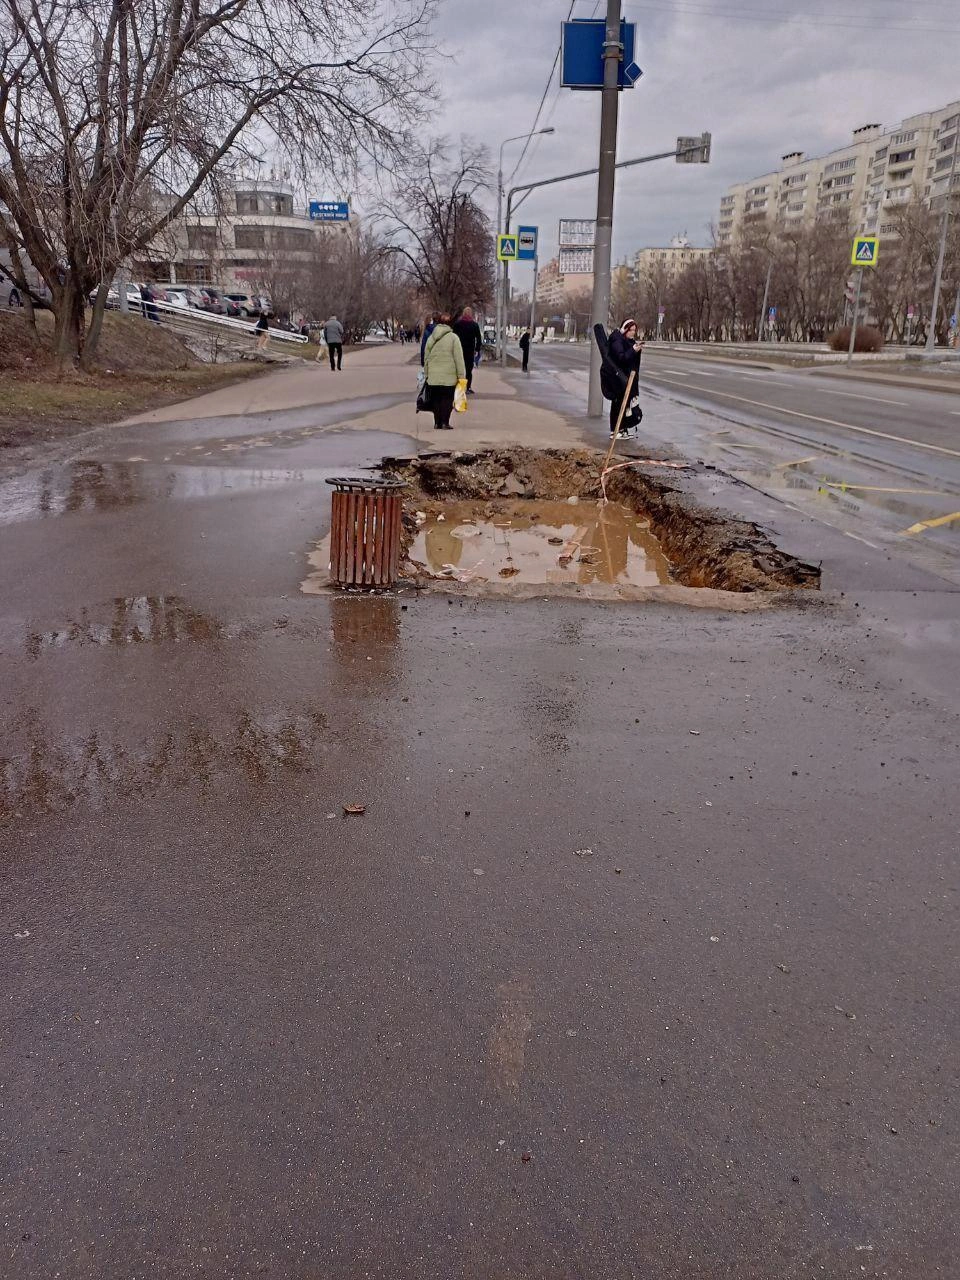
x,y
329,211
576,262
577,232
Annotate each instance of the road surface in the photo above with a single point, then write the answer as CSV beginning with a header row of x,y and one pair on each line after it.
x,y
641,961
869,455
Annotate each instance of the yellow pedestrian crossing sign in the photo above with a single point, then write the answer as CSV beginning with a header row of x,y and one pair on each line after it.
x,y
866,251
507,248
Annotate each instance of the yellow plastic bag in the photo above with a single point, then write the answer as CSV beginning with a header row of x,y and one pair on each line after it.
x,y
460,396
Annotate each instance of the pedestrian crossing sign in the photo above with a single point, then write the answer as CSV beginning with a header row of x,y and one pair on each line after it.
x,y
507,248
866,251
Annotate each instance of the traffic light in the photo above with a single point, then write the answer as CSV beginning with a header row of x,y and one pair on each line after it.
x,y
694,150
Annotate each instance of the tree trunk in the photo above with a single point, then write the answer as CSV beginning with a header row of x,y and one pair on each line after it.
x,y
93,333
68,334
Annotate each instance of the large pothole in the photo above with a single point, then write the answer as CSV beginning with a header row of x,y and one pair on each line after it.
x,y
527,521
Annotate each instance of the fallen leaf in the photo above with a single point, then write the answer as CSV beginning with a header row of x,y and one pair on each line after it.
x,y
509,572
354,808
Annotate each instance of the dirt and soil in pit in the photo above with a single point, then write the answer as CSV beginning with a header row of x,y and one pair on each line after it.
x,y
653,524
532,540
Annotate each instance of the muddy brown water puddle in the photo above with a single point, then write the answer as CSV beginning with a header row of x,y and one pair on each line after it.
x,y
529,540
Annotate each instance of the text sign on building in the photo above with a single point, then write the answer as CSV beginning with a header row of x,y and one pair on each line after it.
x,y
866,251
329,211
577,233
526,243
581,54
576,262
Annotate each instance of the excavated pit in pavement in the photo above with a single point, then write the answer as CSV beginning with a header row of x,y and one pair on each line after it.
x,y
653,539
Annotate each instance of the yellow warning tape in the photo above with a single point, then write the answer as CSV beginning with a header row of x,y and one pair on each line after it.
x,y
932,524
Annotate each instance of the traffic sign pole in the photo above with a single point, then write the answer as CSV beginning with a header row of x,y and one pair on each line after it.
x,y
533,308
606,181
856,312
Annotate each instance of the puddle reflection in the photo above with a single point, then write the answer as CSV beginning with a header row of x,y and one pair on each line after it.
x,y
365,631
52,775
540,541
132,620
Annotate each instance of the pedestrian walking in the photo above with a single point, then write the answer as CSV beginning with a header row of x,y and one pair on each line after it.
x,y
443,366
428,327
262,330
525,349
148,304
624,352
471,339
333,337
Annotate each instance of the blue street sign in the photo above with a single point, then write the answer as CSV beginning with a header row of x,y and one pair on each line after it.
x,y
581,54
329,211
526,243
773,314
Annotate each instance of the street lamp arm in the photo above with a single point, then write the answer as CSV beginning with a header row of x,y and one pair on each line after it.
x,y
527,187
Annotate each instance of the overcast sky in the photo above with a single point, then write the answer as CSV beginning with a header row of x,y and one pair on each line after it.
x,y
763,78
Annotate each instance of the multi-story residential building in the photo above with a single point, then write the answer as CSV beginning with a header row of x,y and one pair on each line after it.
x,y
261,234
554,288
864,180
673,258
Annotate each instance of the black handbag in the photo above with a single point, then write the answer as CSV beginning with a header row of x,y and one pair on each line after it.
x,y
423,398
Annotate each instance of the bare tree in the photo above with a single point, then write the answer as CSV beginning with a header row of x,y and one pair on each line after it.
x,y
116,116
437,225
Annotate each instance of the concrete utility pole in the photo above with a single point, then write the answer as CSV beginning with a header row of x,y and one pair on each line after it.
x,y
533,305
766,297
502,266
856,314
938,279
606,182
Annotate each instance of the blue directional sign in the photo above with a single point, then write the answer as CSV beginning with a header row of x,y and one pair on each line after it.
x,y
581,54
526,243
329,211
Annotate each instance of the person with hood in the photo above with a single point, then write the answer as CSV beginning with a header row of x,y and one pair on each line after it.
x,y
471,339
624,352
333,337
443,365
525,349
429,325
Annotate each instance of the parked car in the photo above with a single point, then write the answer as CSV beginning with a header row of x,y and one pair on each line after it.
x,y
219,303
113,297
177,297
249,304
10,295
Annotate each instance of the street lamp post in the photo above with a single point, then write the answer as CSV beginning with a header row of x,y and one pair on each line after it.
x,y
501,317
938,279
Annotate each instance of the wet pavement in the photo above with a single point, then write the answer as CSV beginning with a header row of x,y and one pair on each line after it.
x,y
640,962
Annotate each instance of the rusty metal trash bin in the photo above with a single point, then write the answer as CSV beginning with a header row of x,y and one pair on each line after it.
x,y
365,531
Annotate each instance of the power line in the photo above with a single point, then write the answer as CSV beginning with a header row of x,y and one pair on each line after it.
x,y
546,90
818,18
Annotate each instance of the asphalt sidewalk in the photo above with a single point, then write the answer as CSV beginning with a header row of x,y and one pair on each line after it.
x,y
496,415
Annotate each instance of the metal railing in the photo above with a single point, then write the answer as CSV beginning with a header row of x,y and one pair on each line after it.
x,y
191,314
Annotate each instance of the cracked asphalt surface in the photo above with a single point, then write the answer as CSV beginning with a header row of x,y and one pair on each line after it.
x,y
641,961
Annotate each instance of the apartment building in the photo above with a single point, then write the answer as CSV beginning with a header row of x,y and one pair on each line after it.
x,y
262,233
555,288
863,181
672,258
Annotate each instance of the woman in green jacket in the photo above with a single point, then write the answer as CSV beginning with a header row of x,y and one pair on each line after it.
x,y
444,367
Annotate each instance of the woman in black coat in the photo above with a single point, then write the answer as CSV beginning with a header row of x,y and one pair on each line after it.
x,y
624,355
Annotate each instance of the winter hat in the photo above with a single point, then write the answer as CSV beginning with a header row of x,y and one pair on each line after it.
x,y
626,325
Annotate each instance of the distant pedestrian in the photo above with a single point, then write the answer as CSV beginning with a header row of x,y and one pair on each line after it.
x,y
428,327
333,337
471,339
262,330
525,349
625,350
148,303
444,367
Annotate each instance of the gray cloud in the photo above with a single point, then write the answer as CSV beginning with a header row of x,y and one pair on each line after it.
x,y
761,87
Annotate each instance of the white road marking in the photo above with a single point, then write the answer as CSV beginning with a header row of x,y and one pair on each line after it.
x,y
852,395
831,422
954,413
